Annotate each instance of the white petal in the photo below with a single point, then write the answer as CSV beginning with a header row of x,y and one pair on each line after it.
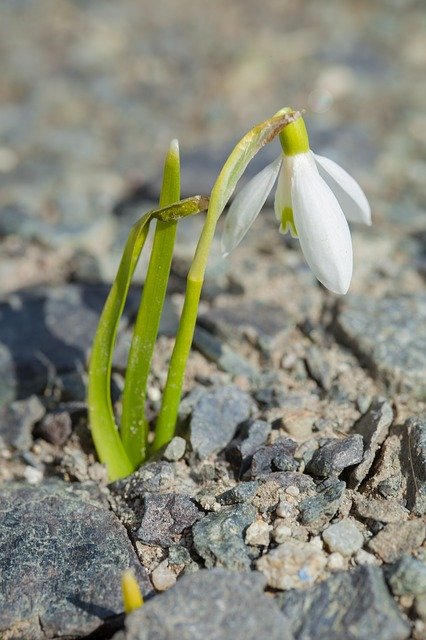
x,y
247,205
283,192
322,228
347,190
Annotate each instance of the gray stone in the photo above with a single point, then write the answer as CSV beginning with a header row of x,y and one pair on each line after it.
x,y
388,334
17,421
242,492
56,427
413,458
250,437
374,427
223,355
216,604
318,368
285,479
175,450
165,517
216,417
274,457
335,456
343,537
63,553
407,576
355,605
318,510
379,510
395,539
219,537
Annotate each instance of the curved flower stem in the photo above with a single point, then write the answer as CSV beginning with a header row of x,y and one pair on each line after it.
x,y
104,431
134,427
223,188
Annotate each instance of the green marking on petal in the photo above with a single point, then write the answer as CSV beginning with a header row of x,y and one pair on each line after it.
x,y
287,222
294,138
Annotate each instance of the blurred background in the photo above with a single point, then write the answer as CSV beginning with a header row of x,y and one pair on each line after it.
x,y
92,92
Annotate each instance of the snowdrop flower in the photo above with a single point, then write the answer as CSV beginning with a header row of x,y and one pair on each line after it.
x,y
312,193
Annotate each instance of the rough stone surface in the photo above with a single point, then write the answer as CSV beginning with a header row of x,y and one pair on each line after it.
x,y
175,450
250,437
343,537
335,456
165,517
258,533
413,457
292,565
62,555
216,604
17,421
380,510
389,336
319,509
216,417
274,457
365,609
395,539
219,537
374,427
242,492
407,576
56,427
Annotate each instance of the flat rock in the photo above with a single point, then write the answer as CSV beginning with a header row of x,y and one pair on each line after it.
x,y
344,537
165,517
17,421
219,537
215,604
63,553
335,456
388,335
407,576
355,605
396,539
373,427
413,459
216,416
318,510
226,358
379,510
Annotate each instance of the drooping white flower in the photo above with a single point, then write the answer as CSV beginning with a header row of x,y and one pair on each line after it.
x,y
311,193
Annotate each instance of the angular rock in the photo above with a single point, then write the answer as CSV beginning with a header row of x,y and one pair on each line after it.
x,y
175,450
319,509
374,427
343,537
55,428
63,553
274,457
318,369
17,421
219,537
379,510
285,479
396,539
354,604
407,576
219,352
242,492
335,456
250,437
413,458
292,565
388,335
165,517
215,418
216,604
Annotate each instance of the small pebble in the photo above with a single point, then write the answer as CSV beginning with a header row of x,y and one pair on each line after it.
x,y
175,450
293,490
281,533
258,533
364,558
285,509
335,562
343,537
154,394
33,475
163,577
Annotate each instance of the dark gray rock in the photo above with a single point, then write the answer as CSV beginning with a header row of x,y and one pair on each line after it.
x,y
216,417
407,576
398,538
286,479
413,459
388,334
17,421
374,428
56,427
250,437
150,478
242,492
318,510
62,556
165,517
216,604
223,355
219,537
335,456
274,457
48,331
352,605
